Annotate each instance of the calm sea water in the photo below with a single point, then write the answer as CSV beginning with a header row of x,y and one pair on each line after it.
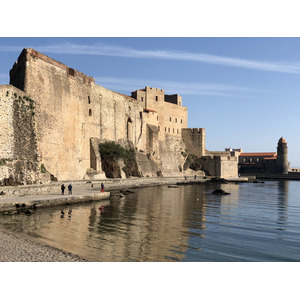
x,y
256,222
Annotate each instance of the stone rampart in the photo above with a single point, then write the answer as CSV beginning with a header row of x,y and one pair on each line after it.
x,y
18,153
194,140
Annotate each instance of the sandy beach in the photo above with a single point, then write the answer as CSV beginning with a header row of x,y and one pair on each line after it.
x,y
17,248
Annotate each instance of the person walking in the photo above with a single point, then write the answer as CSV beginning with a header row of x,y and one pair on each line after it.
x,y
70,189
63,189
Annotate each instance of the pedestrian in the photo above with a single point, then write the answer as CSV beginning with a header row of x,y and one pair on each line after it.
x,y
63,189
70,189
102,187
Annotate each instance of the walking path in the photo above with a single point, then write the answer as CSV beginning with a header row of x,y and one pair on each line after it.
x,y
50,195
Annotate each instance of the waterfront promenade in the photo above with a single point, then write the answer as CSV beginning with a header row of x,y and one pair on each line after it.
x,y
50,194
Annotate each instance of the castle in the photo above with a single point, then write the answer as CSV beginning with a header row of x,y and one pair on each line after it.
x,y
53,119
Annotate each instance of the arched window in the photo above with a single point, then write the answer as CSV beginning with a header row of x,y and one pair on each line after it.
x,y
89,100
129,129
90,112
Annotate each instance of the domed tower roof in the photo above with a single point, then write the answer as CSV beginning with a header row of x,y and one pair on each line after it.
x,y
282,141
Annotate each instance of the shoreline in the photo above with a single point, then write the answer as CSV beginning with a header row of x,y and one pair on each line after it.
x,y
16,247
85,191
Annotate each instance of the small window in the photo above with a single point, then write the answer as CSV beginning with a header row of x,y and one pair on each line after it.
x,y
71,72
157,118
181,121
165,129
170,119
177,131
90,112
156,98
175,120
173,130
142,99
169,130
158,128
89,100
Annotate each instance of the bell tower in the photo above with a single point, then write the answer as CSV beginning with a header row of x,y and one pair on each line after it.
x,y
282,157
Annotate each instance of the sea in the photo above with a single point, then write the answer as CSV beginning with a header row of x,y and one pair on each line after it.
x,y
255,222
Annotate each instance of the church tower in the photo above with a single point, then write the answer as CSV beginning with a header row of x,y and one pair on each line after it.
x,y
282,157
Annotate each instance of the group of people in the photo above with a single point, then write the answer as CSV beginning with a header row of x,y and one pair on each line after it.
x,y
69,189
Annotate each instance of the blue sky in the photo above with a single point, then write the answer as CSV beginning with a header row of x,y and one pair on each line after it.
x,y
244,91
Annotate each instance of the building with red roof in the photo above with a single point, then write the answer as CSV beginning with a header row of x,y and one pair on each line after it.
x,y
265,162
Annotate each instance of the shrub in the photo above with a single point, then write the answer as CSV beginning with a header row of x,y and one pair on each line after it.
x,y
115,151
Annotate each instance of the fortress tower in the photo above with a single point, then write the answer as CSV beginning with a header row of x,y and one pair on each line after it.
x,y
282,157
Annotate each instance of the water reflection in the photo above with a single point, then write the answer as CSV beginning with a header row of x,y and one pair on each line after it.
x,y
282,206
187,223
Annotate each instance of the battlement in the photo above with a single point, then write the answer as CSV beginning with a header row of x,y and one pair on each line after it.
x,y
155,90
194,130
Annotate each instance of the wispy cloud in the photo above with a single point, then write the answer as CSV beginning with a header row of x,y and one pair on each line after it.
x,y
131,84
118,51
109,50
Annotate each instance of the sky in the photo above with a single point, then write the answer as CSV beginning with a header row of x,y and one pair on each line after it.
x,y
244,91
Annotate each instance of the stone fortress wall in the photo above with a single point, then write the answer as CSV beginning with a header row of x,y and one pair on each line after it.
x,y
18,144
72,115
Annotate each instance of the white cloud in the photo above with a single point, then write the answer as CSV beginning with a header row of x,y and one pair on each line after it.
x,y
118,51
170,87
109,50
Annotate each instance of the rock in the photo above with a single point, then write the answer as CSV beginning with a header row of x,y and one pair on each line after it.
x,y
28,212
127,192
219,192
217,180
10,212
116,194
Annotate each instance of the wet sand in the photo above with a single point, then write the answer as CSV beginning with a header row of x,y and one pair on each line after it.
x,y
17,248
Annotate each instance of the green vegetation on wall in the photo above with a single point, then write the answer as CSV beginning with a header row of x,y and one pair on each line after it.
x,y
110,153
115,151
192,162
